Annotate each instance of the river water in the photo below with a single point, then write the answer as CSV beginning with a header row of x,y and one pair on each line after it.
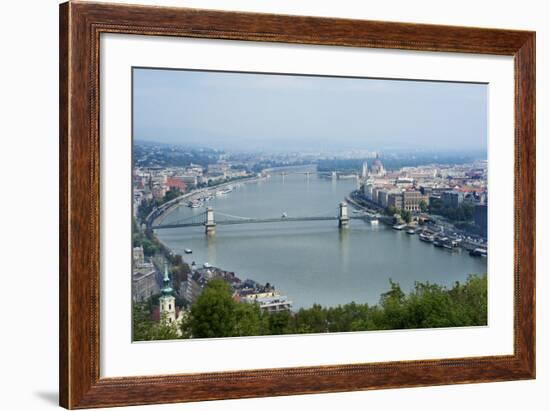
x,y
313,262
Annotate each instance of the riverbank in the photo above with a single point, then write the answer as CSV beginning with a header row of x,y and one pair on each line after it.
x,y
438,227
168,207
198,276
374,213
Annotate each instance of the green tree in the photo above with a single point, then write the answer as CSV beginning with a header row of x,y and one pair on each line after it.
x,y
280,323
149,247
249,320
423,206
312,320
141,322
214,312
164,330
464,212
392,303
470,299
185,326
429,306
180,272
171,194
406,215
391,210
145,329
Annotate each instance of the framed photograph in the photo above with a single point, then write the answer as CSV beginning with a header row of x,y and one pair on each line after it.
x,y
260,205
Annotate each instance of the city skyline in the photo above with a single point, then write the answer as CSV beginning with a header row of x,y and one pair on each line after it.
x,y
243,111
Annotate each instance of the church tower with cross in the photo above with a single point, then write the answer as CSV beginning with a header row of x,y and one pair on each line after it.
x,y
167,301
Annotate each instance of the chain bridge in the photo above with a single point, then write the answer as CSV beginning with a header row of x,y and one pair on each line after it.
x,y
207,220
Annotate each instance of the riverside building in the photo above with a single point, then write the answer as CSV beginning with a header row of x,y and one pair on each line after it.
x,y
144,277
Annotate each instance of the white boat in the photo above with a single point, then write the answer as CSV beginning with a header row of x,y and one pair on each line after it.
x,y
228,189
449,245
374,221
479,252
188,251
399,226
224,191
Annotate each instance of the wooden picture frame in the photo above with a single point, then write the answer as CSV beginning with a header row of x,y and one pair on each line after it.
x,y
80,27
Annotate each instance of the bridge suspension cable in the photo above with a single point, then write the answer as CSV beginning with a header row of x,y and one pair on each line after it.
x,y
329,212
217,213
194,218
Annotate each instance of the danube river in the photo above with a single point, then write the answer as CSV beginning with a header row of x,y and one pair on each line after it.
x,y
313,262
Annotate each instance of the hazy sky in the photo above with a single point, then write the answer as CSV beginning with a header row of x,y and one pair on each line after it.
x,y
285,112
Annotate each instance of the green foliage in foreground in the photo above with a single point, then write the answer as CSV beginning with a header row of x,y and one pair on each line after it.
x,y
146,329
216,314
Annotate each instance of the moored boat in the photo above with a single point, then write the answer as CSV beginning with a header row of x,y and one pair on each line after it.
x,y
479,252
427,237
449,245
224,191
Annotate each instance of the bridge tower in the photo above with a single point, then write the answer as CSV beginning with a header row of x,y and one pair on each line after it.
x,y
343,217
209,224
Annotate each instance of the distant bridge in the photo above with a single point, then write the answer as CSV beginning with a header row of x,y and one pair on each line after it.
x,y
308,173
285,171
291,173
206,219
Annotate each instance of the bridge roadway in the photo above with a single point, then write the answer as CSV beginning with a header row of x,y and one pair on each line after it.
x,y
257,221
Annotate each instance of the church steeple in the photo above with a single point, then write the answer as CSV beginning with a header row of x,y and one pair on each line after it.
x,y
166,286
167,300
